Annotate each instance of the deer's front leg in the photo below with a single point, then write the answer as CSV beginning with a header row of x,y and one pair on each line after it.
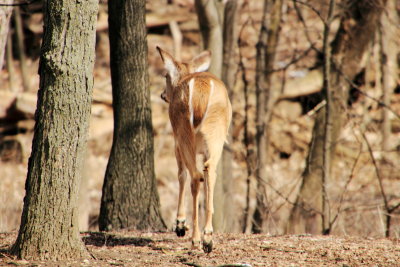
x,y
181,227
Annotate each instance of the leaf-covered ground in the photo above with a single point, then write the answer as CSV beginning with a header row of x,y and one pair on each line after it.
x,y
165,249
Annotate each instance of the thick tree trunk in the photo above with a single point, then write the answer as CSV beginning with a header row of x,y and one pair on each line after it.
x,y
49,222
5,15
357,28
130,198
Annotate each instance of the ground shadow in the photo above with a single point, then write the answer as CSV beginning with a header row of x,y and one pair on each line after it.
x,y
100,239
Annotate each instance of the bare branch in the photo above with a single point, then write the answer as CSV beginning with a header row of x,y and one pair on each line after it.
x,y
294,60
380,181
302,20
339,210
280,194
316,11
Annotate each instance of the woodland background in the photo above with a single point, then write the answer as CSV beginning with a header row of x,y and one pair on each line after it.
x,y
365,182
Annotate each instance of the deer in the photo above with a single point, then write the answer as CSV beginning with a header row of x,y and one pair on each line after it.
x,y
200,113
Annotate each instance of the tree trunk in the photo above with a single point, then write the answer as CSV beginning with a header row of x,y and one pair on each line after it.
x,y
130,198
10,64
228,77
49,222
266,51
389,34
210,22
21,49
357,28
210,13
328,130
5,15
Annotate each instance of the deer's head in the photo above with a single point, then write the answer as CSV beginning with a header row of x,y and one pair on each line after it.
x,y
176,70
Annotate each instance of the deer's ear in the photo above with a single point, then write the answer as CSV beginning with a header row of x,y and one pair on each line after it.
x,y
201,62
169,63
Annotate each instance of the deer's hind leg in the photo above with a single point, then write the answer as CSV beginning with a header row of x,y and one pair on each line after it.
x,y
214,145
187,147
181,227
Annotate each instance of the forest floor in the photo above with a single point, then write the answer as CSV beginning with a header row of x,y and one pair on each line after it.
x,y
165,249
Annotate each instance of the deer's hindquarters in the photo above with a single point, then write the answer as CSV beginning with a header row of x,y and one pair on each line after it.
x,y
200,115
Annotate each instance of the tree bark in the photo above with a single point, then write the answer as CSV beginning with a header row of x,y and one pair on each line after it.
x,y
266,51
228,77
389,34
328,142
130,198
49,222
357,27
5,15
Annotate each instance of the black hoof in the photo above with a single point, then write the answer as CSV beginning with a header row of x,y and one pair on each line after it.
x,y
207,246
180,231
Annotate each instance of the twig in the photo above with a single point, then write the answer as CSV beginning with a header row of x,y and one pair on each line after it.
x,y
316,11
294,60
302,20
339,210
287,199
316,108
192,264
282,250
380,180
289,193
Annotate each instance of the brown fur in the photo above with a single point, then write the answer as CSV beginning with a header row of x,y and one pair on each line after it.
x,y
199,126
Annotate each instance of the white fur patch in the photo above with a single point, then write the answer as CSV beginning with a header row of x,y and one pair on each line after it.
x,y
190,102
203,67
172,71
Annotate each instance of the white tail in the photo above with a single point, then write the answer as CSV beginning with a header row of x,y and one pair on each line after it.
x,y
200,114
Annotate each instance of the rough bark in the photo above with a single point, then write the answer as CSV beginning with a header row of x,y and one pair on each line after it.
x,y
266,51
357,27
5,15
130,198
49,222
